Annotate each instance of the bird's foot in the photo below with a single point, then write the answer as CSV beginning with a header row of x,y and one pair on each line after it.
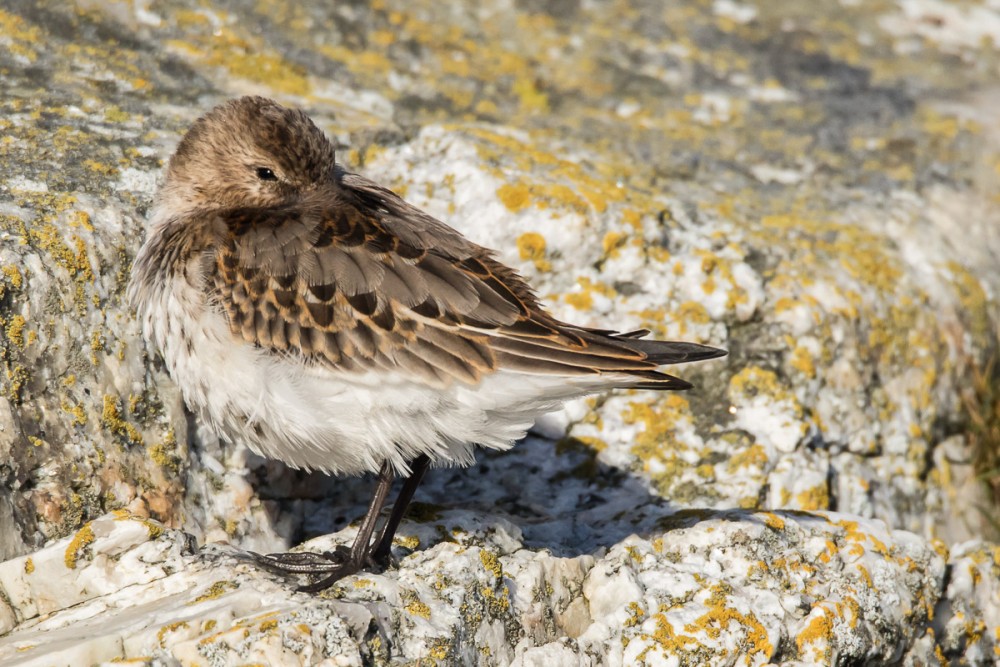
x,y
329,566
302,562
345,569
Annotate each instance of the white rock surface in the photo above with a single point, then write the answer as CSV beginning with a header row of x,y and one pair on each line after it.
x,y
705,587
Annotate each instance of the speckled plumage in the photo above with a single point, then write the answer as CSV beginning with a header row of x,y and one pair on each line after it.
x,y
327,323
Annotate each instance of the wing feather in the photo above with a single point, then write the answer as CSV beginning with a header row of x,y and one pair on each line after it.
x,y
356,279
405,284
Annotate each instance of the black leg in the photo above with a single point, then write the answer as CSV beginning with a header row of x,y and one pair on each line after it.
x,y
359,556
365,552
341,562
383,545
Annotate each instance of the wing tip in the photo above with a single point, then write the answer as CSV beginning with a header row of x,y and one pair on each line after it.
x,y
709,352
668,383
663,352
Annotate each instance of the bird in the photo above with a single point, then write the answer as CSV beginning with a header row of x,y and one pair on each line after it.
x,y
322,320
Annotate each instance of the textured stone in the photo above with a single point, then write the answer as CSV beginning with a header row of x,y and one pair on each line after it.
x,y
701,588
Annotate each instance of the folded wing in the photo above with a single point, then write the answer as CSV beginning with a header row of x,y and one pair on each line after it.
x,y
358,280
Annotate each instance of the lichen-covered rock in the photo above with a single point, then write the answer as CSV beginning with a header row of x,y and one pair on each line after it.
x,y
813,189
703,588
967,620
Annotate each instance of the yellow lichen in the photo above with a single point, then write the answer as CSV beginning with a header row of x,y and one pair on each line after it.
x,y
101,168
17,376
81,540
814,498
113,114
21,39
718,618
584,299
632,218
754,456
819,629
161,635
801,360
153,528
531,246
79,414
407,541
974,301
580,300
755,381
418,608
165,453
216,590
612,242
594,443
439,651
14,275
491,562
636,614
245,57
666,638
531,98
15,330
112,419
515,196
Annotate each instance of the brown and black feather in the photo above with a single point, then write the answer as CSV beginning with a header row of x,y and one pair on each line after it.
x,y
354,278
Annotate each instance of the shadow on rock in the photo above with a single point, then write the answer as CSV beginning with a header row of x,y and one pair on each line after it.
x,y
560,496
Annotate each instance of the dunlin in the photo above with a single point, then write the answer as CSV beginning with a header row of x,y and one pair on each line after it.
x,y
325,322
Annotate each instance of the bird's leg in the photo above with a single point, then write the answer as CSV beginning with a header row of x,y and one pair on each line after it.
x,y
364,552
358,557
381,550
342,561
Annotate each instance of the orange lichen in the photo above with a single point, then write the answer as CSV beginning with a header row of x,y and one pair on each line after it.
x,y
531,246
515,196
81,540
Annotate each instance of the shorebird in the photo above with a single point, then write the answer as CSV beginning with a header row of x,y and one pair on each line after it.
x,y
325,322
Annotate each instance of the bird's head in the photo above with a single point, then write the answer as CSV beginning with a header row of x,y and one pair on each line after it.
x,y
247,152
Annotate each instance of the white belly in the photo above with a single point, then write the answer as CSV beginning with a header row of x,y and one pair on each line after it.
x,y
314,418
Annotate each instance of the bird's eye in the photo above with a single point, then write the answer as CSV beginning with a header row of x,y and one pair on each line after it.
x,y
265,174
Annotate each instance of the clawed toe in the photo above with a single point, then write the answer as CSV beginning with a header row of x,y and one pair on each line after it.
x,y
341,571
329,566
302,562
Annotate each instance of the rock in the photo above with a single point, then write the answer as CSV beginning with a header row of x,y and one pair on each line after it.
x,y
812,190
467,591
